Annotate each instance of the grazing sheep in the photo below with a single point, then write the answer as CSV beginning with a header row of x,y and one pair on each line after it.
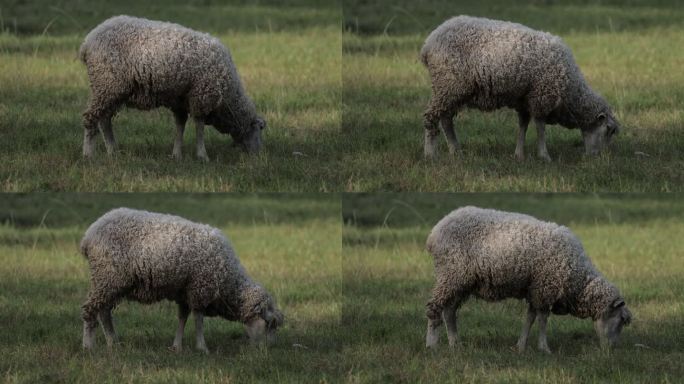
x,y
490,64
147,64
495,255
148,257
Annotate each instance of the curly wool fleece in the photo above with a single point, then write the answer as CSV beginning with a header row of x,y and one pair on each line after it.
x,y
496,255
148,257
148,64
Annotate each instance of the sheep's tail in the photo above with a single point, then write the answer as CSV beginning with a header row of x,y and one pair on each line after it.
x,y
83,52
84,248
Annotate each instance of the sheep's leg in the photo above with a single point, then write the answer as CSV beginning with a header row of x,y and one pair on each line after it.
x,y
450,315
181,118
99,107
105,317
199,333
523,122
541,141
444,298
447,123
430,120
522,341
542,344
183,312
108,134
201,151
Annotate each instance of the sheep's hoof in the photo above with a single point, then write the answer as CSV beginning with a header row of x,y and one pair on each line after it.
x,y
176,348
518,348
545,157
204,350
545,350
519,157
177,156
203,158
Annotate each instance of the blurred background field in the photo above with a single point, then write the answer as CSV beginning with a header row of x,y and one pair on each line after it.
x,y
289,243
634,240
288,54
624,48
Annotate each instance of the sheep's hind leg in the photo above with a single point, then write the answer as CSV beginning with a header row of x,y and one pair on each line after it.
x,y
523,122
201,151
450,315
181,118
100,107
430,120
542,343
199,333
183,312
541,141
447,124
108,134
522,341
105,317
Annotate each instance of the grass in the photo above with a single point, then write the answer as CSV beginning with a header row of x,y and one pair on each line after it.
x,y
288,55
623,48
291,244
388,278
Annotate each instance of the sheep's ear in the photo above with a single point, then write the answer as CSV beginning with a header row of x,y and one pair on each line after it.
x,y
618,303
601,117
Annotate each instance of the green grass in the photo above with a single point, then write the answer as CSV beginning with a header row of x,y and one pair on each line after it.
x,y
288,56
632,239
291,244
624,50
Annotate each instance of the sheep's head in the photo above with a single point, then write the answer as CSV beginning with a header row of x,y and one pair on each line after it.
x,y
600,133
262,318
250,138
609,325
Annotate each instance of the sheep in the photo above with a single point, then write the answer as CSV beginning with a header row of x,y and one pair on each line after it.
x,y
491,64
494,255
148,257
146,64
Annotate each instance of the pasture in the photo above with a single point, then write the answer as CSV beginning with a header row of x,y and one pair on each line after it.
x,y
291,244
624,49
632,239
288,56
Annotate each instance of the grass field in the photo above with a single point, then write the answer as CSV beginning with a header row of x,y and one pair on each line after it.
x,y
633,240
625,50
291,244
288,55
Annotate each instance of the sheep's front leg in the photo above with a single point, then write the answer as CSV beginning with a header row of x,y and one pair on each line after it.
x,y
183,312
541,141
542,344
199,333
523,122
108,134
522,341
201,151
105,317
181,119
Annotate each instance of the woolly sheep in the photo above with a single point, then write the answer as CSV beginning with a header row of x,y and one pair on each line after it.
x,y
148,64
148,257
491,64
495,255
